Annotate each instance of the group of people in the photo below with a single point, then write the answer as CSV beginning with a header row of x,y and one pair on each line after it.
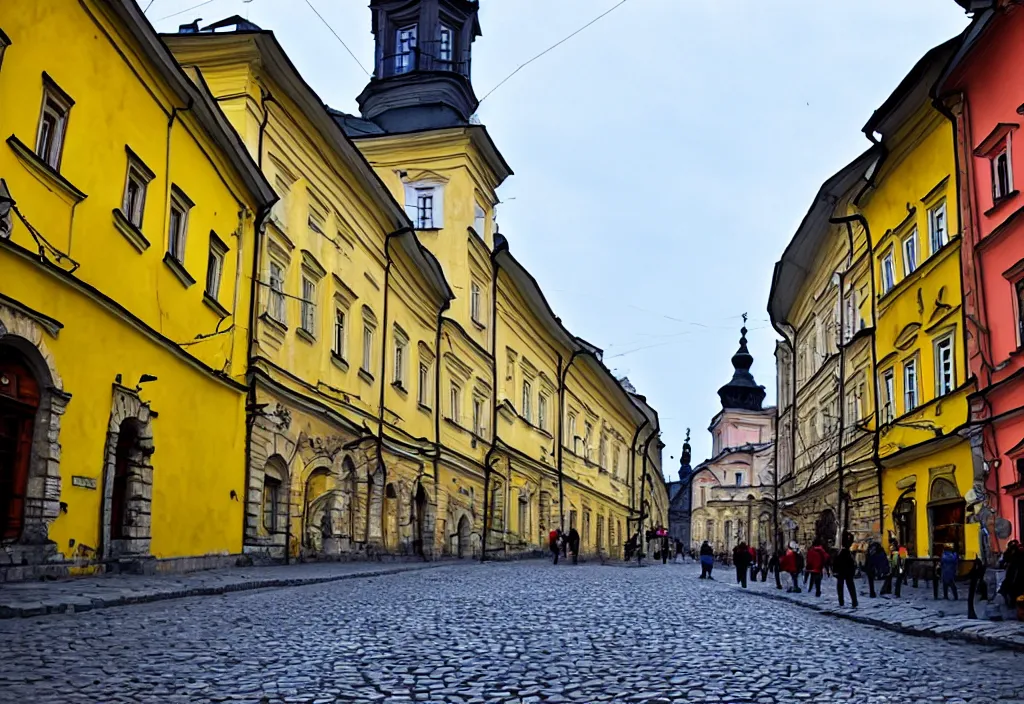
x,y
564,543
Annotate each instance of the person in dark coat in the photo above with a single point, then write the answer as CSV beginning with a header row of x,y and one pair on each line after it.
x,y
844,568
741,560
948,568
1013,582
574,545
877,568
554,537
707,560
664,549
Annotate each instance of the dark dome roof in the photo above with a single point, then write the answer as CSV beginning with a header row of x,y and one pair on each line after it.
x,y
742,392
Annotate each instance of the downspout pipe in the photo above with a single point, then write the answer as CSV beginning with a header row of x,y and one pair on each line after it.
x,y
563,375
445,305
643,484
501,245
632,464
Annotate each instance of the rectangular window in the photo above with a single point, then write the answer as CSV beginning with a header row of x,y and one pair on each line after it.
x,y
945,371
53,124
455,403
479,220
1002,175
474,302
339,334
308,307
739,478
527,401
401,350
271,503
446,40
588,432
423,397
367,347
424,208
1019,288
910,253
542,412
602,453
133,202
570,438
215,266
275,302
888,395
405,48
849,316
177,229
938,232
909,385
478,416
615,460
888,273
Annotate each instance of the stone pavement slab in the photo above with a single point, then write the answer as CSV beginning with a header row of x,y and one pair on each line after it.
x,y
39,598
915,611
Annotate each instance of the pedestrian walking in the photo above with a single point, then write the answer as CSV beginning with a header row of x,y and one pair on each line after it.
x,y
554,538
707,560
741,560
664,549
775,568
753,563
816,560
788,564
574,545
844,569
948,564
877,568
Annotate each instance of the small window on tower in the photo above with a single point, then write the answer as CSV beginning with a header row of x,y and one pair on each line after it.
x,y
446,45
405,49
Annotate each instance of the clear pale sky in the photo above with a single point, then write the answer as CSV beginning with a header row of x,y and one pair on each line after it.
x,y
663,157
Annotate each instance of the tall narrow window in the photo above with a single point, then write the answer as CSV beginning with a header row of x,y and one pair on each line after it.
x,y
53,124
1002,175
424,385
479,220
478,416
401,355
137,180
602,453
455,403
338,349
615,460
527,401
938,233
588,432
909,385
888,395
177,229
215,266
945,371
271,503
888,273
849,314
446,42
275,301
1019,288
739,478
424,208
910,253
308,307
475,305
405,49
367,347
570,438
542,412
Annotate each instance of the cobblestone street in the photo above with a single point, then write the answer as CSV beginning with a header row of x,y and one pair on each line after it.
x,y
514,632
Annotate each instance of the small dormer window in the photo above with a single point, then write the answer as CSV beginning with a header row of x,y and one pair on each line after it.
x,y
1002,182
405,48
424,205
446,45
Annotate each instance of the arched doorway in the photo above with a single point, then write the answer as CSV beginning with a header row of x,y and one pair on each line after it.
x,y
124,460
19,401
904,517
316,510
946,513
420,536
462,545
825,529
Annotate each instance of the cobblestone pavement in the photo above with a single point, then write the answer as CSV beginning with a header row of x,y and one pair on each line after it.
x,y
515,632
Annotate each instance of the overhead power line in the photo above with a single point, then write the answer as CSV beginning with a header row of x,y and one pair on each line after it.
x,y
182,12
148,6
553,46
360,65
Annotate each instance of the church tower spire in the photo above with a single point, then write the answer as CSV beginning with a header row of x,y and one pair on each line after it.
x,y
742,392
422,58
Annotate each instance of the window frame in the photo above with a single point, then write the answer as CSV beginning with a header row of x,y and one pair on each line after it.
x,y
276,302
271,503
308,304
936,228
182,203
399,358
1001,191
542,411
405,47
142,176
218,251
888,385
339,332
455,402
911,385
527,401
369,333
945,340
475,302
413,192
890,284
442,29
62,102
422,393
479,426
911,238
1018,292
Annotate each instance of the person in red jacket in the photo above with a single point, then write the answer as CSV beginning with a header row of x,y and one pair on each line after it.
x,y
816,559
788,564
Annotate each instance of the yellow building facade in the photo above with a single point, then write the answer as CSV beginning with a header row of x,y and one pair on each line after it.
x,y
129,229
922,381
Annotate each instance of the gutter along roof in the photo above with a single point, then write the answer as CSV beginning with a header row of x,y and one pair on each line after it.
x,y
792,270
969,40
197,97
279,67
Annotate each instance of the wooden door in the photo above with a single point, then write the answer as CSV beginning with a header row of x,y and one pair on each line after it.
x,y
19,401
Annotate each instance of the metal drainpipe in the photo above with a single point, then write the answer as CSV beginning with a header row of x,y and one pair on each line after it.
x,y
250,411
643,484
488,458
563,375
437,396
632,465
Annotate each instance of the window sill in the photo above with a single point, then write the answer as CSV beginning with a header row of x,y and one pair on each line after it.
x,y
998,204
478,325
425,408
44,172
179,270
273,322
428,229
214,305
365,376
305,335
339,361
397,386
130,231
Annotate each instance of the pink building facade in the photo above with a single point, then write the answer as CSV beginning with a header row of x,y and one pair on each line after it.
x,y
982,90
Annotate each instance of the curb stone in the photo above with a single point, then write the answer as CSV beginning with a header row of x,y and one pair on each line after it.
x,y
80,604
952,634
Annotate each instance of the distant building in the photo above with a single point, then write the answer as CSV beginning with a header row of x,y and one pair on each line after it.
x,y
680,497
731,493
